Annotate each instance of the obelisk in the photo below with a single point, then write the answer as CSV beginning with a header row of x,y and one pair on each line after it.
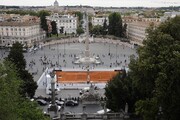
x,y
87,52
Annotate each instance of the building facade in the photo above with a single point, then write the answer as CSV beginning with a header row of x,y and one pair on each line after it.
x,y
65,23
136,32
27,33
136,28
99,21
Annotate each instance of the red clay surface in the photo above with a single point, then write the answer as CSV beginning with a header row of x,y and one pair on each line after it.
x,y
81,76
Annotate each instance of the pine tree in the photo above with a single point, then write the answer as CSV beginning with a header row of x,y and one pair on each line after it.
x,y
16,56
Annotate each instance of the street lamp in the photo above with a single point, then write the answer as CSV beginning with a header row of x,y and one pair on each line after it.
x,y
116,55
64,47
58,53
109,49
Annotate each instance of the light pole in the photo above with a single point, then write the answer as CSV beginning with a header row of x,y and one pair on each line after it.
x,y
109,49
58,53
64,47
116,55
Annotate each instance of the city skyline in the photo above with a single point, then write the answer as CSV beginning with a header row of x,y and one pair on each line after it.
x,y
105,3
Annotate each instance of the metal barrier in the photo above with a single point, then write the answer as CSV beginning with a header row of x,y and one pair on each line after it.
x,y
92,116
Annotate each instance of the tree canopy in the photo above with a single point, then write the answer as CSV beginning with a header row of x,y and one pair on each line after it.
x,y
118,92
13,105
79,30
54,28
152,87
42,14
79,15
105,27
16,56
115,24
155,74
97,30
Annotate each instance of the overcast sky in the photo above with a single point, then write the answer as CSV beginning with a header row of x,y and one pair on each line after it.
x,y
104,3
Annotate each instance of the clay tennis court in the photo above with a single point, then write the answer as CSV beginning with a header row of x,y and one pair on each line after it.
x,y
81,76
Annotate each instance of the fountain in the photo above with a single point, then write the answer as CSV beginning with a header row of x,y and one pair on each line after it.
x,y
90,97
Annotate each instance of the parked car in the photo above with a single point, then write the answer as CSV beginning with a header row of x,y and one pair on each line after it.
x,y
58,107
102,111
71,103
41,102
68,112
61,103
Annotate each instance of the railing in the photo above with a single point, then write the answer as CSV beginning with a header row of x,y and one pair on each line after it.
x,y
92,116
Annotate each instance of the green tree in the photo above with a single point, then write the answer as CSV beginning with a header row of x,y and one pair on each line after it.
x,y
118,92
124,29
9,83
54,28
156,72
79,14
79,31
90,27
16,56
22,12
97,30
13,106
29,86
105,27
42,14
115,24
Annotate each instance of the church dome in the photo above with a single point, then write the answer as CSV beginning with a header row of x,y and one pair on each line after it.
x,y
56,3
